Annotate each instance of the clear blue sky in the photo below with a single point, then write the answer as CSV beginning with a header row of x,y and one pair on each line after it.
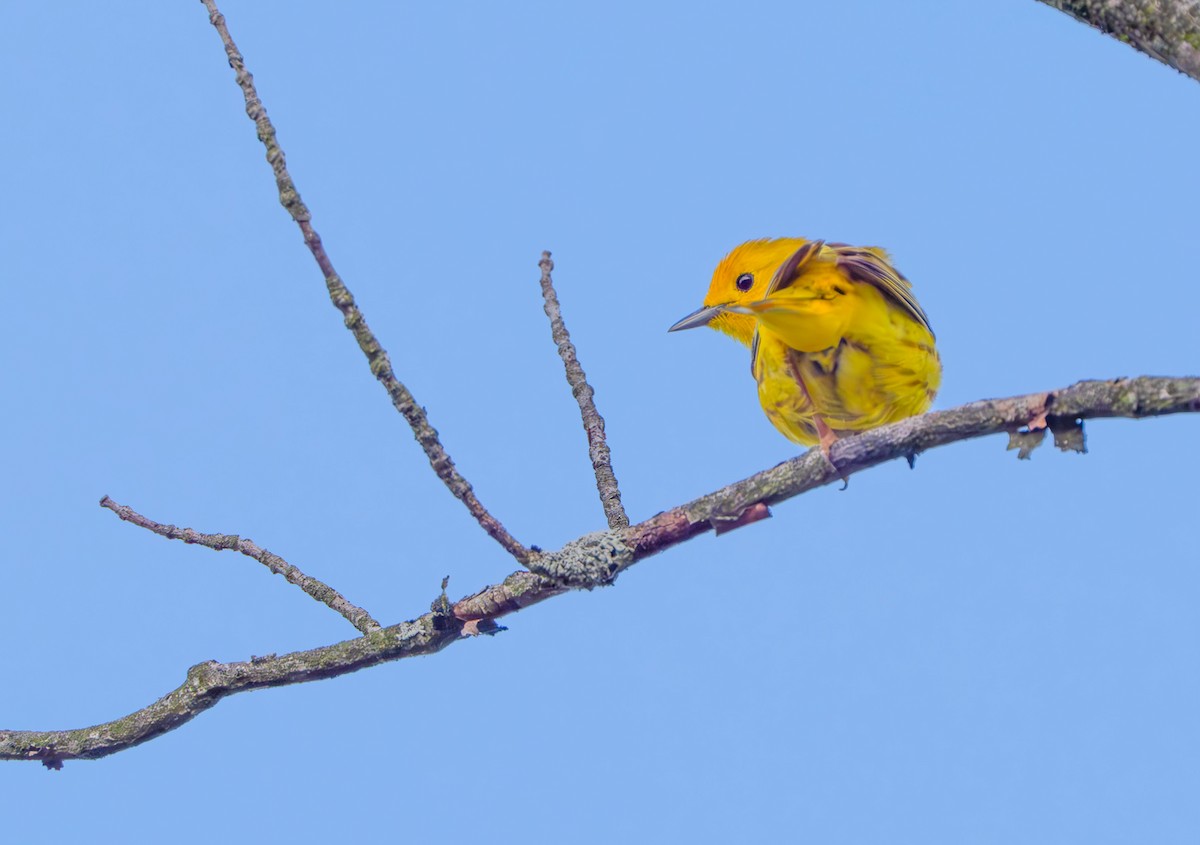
x,y
983,650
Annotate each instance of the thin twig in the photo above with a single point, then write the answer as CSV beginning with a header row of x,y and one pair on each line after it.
x,y
593,423
320,591
1166,30
377,357
209,682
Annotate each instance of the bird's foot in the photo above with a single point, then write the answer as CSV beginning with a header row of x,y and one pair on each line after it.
x,y
827,439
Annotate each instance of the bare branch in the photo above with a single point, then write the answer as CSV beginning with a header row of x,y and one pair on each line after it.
x,y
207,683
377,356
597,558
320,591
516,592
1167,30
745,502
1145,396
593,423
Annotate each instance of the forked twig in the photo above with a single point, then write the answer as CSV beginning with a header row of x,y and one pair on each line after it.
x,y
593,423
377,357
590,560
208,683
319,590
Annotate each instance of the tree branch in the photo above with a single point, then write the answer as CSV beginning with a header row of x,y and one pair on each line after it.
x,y
1166,30
320,591
592,560
593,423
343,300
1061,411
207,683
598,558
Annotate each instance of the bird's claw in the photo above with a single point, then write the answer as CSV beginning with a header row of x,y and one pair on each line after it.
x,y
827,439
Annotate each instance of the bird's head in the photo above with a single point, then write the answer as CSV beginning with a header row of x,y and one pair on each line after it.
x,y
742,276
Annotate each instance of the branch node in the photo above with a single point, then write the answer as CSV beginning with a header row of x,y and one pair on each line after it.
x,y
594,560
441,605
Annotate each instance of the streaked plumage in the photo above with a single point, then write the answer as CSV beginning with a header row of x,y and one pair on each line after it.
x,y
838,342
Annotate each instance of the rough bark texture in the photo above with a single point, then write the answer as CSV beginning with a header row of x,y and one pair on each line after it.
x,y
1167,30
596,559
593,423
331,598
343,300
207,683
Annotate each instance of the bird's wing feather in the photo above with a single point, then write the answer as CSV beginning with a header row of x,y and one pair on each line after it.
x,y
867,265
792,269
870,265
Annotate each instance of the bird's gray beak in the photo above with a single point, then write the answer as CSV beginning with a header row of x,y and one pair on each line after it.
x,y
702,317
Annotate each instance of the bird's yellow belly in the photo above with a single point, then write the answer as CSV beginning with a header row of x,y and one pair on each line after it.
x,y
856,384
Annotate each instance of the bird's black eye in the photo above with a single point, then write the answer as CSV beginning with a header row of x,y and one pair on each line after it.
x,y
745,282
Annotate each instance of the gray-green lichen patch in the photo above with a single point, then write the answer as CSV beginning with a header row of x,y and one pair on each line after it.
x,y
591,561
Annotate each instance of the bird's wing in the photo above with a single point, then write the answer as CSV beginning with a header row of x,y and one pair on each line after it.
x,y
864,264
792,269
871,265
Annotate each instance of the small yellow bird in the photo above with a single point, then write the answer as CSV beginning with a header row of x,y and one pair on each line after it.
x,y
837,342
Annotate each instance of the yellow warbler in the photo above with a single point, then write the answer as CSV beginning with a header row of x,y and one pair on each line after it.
x,y
837,342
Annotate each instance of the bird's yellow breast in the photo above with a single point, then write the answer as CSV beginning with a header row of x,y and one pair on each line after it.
x,y
838,342
881,367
